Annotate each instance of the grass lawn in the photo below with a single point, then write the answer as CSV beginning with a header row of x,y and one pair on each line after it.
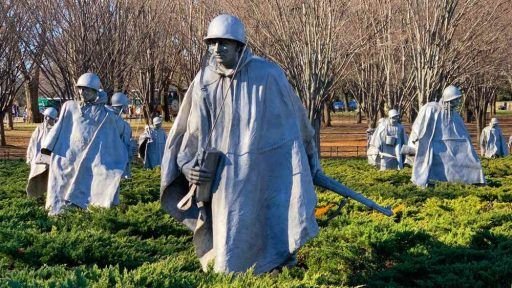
x,y
448,236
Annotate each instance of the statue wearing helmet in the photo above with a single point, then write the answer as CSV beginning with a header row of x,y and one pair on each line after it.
x,y
442,144
119,106
492,142
38,177
152,144
88,156
88,85
241,111
387,141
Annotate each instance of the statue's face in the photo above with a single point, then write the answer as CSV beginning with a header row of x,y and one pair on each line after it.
x,y
225,52
395,120
87,94
49,120
455,103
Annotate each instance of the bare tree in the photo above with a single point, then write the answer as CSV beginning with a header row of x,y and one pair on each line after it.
x,y
155,56
308,39
11,26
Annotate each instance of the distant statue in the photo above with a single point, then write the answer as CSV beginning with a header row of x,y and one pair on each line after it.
x,y
387,142
492,141
38,177
442,144
152,144
118,107
88,156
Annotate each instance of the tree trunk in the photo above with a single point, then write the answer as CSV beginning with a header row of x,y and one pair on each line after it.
x,y
326,119
359,116
2,131
345,100
165,104
316,122
9,119
480,120
31,95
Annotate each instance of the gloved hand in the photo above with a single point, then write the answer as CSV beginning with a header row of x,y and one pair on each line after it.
x,y
196,175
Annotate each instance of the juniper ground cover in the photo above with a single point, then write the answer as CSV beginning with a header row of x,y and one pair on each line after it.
x,y
448,236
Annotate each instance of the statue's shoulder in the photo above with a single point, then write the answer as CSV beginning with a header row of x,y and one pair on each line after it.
x,y
70,105
264,67
431,107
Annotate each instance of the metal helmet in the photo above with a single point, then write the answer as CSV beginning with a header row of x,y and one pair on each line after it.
x,y
51,112
157,120
226,26
89,80
119,99
450,93
102,97
392,113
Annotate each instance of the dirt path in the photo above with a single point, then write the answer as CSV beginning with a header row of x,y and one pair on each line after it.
x,y
344,139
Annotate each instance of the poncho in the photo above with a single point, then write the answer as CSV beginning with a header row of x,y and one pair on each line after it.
x,y
443,148
493,142
38,177
88,158
151,145
387,141
264,200
126,136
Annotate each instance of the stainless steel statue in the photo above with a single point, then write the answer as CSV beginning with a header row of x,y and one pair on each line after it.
x,y
88,157
152,144
118,107
492,141
38,177
387,141
242,117
442,144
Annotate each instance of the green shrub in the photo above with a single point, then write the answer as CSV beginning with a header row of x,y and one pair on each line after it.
x,y
450,235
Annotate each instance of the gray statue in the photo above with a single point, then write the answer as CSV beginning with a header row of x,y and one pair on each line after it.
x,y
492,142
88,157
118,107
387,141
442,144
152,144
38,177
243,142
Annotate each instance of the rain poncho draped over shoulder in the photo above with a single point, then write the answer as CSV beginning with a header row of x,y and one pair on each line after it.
x,y
126,136
443,148
386,142
38,177
493,143
263,198
88,157
151,146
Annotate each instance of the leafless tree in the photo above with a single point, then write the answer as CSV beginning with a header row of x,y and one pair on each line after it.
x,y
11,26
308,38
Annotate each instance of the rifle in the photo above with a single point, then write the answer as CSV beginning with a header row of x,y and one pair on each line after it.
x,y
328,183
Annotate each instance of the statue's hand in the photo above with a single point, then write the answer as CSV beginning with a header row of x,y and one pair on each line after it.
x,y
196,175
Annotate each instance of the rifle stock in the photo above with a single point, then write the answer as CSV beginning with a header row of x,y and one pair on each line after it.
x,y
327,182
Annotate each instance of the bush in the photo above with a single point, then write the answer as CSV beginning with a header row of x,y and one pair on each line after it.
x,y
447,236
